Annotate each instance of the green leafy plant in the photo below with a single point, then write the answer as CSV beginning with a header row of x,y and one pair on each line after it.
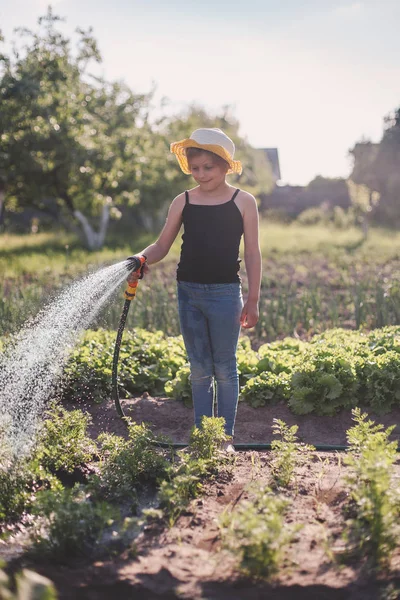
x,y
287,453
206,440
69,525
20,480
63,442
179,388
201,461
14,490
183,484
126,464
372,530
257,534
147,360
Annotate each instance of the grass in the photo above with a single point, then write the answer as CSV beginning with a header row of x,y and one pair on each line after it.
x,y
315,277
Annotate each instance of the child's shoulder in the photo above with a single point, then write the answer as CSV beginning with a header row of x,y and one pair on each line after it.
x,y
245,199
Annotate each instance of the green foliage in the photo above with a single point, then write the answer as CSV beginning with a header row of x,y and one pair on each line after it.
x,y
20,480
186,475
70,524
372,530
63,442
14,491
29,586
206,440
247,360
324,383
127,464
179,388
146,362
266,388
287,453
256,532
337,369
184,483
381,377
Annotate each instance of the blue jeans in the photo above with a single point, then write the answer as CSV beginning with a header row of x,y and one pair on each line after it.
x,y
210,323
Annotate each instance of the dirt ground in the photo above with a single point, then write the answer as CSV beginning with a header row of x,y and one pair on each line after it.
x,y
188,561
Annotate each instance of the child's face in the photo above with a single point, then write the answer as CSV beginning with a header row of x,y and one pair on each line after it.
x,y
207,171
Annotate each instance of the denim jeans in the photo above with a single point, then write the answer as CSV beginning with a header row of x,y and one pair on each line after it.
x,y
210,323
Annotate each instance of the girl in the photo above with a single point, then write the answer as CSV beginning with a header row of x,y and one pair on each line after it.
x,y
214,217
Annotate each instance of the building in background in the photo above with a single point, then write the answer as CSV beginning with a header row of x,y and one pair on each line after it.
x,y
273,157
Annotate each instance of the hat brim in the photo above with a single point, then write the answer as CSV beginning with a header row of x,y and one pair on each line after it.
x,y
179,149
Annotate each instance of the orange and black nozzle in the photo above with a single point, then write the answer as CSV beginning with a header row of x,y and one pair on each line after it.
x,y
135,265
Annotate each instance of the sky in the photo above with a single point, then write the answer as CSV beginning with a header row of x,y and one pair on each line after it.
x,y
310,77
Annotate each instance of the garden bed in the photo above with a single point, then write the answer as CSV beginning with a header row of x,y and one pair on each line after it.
x,y
174,419
189,561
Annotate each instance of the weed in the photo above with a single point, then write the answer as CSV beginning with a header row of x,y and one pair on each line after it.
x,y
184,484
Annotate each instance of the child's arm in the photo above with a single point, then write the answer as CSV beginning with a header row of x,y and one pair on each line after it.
x,y
252,259
160,248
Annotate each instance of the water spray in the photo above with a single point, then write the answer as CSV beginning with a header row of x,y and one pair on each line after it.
x,y
135,265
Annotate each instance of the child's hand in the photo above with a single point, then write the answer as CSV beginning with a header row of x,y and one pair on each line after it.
x,y
249,316
135,275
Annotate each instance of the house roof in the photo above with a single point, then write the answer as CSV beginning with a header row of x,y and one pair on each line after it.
x,y
273,157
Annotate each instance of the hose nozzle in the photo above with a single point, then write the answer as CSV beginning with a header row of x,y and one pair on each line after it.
x,y
135,264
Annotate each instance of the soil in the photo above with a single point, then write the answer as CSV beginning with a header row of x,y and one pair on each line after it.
x,y
188,560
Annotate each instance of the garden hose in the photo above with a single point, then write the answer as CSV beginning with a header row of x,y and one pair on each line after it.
x,y
135,265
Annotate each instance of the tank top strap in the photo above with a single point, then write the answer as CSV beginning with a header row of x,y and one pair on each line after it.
x,y
186,197
234,195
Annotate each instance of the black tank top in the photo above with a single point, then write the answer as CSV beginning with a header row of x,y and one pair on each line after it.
x,y
210,242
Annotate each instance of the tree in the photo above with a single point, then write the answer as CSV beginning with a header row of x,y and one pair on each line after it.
x,y
377,167
82,150
71,143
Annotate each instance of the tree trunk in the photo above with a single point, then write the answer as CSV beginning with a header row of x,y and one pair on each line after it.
x,y
2,205
94,239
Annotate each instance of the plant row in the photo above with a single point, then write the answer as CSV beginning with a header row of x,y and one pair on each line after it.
x,y
102,514
338,369
75,494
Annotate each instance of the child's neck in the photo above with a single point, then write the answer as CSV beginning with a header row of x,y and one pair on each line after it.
x,y
218,192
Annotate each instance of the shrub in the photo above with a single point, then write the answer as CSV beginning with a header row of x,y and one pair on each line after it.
x,y
206,441
20,479
14,490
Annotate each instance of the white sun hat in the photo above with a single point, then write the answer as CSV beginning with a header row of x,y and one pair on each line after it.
x,y
213,140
